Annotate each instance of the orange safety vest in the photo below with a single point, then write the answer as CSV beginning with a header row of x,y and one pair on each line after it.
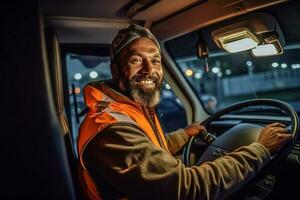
x,y
106,107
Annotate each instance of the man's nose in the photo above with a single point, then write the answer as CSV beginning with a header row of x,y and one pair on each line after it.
x,y
147,66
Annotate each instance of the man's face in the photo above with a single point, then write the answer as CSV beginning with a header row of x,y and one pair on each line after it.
x,y
141,71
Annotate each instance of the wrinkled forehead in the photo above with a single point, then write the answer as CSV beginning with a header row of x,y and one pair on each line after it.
x,y
126,36
141,45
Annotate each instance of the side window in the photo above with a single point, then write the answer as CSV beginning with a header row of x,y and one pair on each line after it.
x,y
83,67
170,110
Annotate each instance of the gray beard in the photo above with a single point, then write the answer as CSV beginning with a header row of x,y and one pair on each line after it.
x,y
145,98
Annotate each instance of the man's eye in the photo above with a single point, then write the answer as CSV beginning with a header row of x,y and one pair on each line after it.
x,y
156,62
135,60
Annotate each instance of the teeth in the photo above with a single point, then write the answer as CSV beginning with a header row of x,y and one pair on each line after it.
x,y
147,82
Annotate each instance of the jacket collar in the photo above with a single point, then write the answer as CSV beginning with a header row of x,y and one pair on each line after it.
x,y
102,91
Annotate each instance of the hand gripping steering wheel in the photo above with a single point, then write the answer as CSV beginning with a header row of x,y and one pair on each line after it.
x,y
242,134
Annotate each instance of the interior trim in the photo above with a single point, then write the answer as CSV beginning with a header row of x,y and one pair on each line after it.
x,y
194,109
80,22
76,30
195,18
59,85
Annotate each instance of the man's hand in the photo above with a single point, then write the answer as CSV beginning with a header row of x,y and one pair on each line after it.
x,y
274,137
194,129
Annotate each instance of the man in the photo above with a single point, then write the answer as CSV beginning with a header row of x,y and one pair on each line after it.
x,y
123,151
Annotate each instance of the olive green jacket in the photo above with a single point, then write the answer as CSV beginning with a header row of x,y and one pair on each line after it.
x,y
124,163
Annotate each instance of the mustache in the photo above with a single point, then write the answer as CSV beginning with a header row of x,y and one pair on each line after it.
x,y
139,77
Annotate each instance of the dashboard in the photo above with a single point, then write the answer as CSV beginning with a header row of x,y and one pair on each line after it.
x,y
228,121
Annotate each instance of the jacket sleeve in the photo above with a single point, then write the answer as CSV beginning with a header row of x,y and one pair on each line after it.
x,y
176,140
128,161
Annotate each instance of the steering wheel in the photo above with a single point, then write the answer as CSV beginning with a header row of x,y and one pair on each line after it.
x,y
242,134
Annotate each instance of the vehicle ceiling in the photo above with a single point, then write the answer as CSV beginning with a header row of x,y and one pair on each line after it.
x,y
93,16
287,15
82,17
115,9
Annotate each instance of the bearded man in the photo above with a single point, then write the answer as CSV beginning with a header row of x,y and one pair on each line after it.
x,y
122,149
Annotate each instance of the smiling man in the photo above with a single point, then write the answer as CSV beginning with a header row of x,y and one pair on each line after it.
x,y
123,151
142,76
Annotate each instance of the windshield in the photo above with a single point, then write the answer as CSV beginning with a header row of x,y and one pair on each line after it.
x,y
236,77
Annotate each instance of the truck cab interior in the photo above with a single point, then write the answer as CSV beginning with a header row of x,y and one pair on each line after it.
x,y
233,65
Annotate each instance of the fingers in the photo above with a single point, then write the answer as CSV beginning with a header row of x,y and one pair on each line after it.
x,y
198,126
279,129
286,137
274,136
194,129
201,128
276,124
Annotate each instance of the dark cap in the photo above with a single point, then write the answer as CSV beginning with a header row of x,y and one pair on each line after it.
x,y
127,35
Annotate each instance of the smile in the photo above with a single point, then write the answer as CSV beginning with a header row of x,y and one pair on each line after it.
x,y
146,82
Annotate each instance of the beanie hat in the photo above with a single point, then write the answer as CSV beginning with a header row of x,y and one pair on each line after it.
x,y
127,35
